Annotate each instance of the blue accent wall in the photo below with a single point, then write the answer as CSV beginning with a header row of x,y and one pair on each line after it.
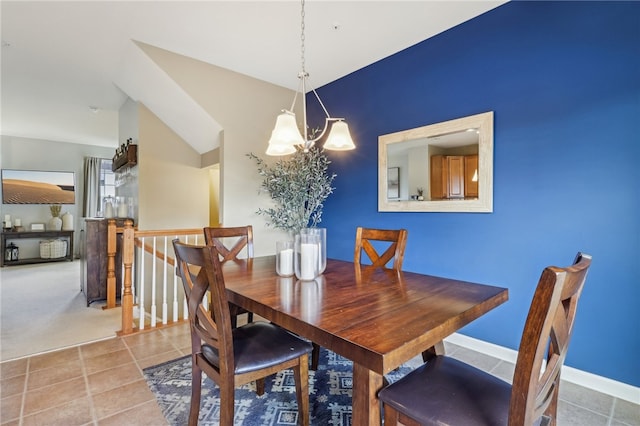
x,y
563,79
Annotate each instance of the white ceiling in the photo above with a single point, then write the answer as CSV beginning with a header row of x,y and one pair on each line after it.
x,y
61,58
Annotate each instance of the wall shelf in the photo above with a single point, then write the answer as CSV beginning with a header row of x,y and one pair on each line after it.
x,y
127,157
11,235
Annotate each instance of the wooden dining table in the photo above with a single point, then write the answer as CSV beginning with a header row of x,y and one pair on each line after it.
x,y
378,318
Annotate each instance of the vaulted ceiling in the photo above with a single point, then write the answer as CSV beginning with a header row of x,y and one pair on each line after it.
x,y
67,66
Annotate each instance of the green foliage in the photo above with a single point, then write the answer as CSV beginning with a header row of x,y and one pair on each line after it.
x,y
298,185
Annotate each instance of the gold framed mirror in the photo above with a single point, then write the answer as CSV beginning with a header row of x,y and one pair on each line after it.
x,y
442,167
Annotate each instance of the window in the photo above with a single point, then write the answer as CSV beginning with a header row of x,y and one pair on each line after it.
x,y
107,181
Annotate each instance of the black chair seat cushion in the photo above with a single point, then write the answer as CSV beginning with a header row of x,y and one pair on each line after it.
x,y
258,345
445,391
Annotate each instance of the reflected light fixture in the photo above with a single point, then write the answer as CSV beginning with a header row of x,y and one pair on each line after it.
x,y
286,135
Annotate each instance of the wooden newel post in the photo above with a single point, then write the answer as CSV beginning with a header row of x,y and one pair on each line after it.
x,y
127,294
111,264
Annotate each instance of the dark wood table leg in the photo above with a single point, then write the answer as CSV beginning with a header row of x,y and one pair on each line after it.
x,y
365,404
433,351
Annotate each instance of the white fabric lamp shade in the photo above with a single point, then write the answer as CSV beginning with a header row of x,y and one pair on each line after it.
x,y
339,138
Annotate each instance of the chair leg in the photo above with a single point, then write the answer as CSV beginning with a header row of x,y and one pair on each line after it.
x,y
260,387
196,387
249,317
301,376
390,416
227,401
315,356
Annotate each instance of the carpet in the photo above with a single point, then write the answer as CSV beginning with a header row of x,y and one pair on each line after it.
x,y
27,329
329,394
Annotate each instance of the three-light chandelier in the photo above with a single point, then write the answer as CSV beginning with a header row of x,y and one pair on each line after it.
x,y
286,135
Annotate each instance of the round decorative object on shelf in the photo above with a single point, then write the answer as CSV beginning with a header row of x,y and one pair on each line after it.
x,y
55,224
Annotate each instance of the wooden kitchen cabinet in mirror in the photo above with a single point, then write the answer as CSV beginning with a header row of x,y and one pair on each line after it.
x,y
442,167
453,177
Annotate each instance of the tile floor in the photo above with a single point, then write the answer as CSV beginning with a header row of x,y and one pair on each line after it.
x,y
101,383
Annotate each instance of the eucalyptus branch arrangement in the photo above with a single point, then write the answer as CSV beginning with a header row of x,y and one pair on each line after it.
x,y
298,185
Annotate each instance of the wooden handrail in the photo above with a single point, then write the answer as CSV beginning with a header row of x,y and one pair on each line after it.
x,y
132,238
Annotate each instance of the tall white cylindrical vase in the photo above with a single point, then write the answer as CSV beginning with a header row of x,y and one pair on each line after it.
x,y
306,254
322,248
67,222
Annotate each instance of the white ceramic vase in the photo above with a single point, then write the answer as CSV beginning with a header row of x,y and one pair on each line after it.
x,y
55,224
67,222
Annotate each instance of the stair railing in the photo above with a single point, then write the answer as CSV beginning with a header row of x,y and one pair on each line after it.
x,y
148,267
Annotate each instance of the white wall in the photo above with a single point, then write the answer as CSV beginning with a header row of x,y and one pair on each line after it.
x,y
173,189
36,154
246,108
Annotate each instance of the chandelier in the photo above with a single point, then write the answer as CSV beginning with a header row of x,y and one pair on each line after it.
x,y
286,135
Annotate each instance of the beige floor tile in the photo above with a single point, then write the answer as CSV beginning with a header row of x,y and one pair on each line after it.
x,y
10,408
113,401
159,358
573,415
627,412
13,368
176,330
76,412
185,350
52,375
145,338
152,347
12,386
53,359
102,347
107,361
113,378
147,414
583,397
54,395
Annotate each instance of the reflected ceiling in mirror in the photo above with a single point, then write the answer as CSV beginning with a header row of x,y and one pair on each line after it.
x,y
442,167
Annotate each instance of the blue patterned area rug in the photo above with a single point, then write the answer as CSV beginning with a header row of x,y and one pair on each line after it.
x,y
329,394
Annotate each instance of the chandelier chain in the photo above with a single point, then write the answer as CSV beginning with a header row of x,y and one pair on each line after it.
x,y
302,38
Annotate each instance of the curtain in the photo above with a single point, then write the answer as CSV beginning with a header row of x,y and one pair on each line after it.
x,y
91,186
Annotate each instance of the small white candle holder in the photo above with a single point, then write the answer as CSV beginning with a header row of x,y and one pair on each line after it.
x,y
284,258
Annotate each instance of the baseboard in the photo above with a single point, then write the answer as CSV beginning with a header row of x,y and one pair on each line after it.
x,y
570,374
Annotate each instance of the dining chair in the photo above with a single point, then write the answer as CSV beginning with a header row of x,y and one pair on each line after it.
x,y
365,241
445,391
232,356
230,242
393,242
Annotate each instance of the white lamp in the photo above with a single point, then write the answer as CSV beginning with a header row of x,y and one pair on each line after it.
x,y
339,138
286,135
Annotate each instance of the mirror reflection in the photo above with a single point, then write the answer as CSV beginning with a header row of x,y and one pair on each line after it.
x,y
445,166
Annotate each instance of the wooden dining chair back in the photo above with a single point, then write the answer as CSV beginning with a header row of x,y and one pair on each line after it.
x,y
232,357
448,391
372,241
230,242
